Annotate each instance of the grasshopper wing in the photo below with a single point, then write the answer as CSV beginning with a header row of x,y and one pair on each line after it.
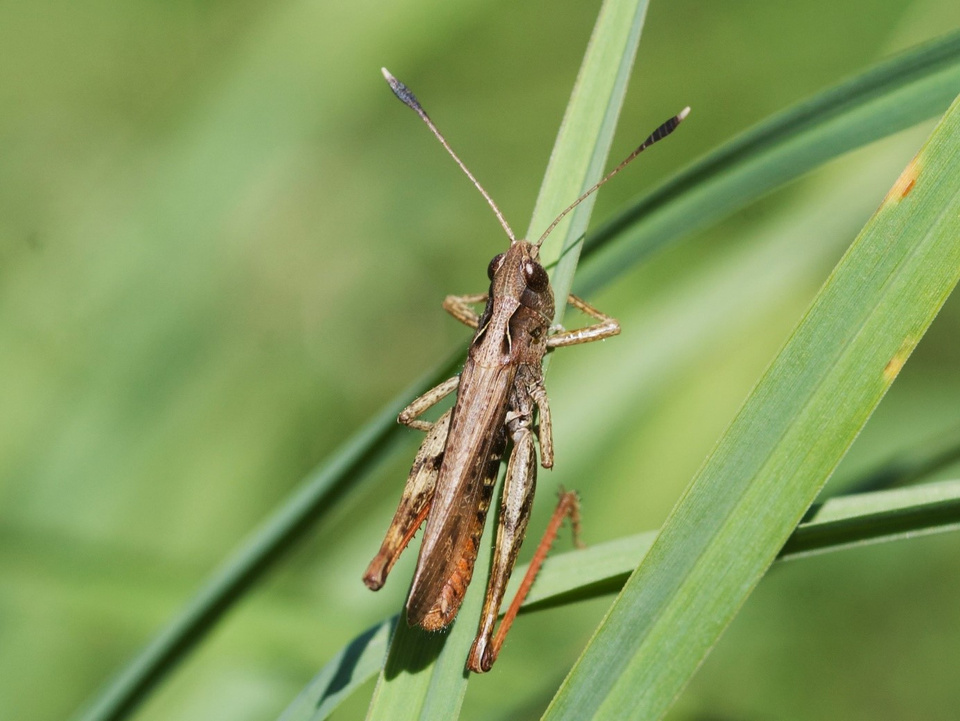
x,y
451,539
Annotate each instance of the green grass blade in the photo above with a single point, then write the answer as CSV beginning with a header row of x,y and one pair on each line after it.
x,y
599,570
583,142
896,94
864,518
357,663
789,436
837,524
424,675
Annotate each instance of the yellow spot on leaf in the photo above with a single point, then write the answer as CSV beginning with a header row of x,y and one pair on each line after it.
x,y
908,178
892,369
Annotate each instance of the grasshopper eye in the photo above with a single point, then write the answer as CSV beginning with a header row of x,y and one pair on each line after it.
x,y
537,278
494,265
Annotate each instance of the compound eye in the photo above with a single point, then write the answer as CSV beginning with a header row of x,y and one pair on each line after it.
x,y
494,265
537,278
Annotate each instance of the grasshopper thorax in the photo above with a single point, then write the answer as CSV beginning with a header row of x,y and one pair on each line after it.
x,y
513,327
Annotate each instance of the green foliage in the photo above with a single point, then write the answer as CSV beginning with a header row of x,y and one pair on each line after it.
x,y
220,233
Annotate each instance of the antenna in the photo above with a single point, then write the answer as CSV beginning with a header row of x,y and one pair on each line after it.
x,y
408,98
659,134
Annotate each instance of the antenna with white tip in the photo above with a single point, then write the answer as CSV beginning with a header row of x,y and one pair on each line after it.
x,y
410,100
659,134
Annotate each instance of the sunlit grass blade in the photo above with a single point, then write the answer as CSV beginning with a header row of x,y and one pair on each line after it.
x,y
412,686
602,569
896,94
779,451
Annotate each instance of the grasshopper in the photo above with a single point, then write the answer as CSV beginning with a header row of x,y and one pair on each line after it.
x,y
499,389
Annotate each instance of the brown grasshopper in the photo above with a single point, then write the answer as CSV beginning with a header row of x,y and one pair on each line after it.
x,y
452,479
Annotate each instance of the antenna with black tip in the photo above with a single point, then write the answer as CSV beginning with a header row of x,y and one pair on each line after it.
x,y
659,134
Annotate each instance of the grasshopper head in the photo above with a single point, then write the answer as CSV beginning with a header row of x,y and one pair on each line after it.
x,y
517,274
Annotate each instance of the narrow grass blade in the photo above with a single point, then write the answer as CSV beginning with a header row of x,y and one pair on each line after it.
x,y
896,94
600,570
583,142
864,518
837,524
412,684
349,669
783,445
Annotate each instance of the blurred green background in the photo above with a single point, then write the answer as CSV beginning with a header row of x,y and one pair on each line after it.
x,y
223,247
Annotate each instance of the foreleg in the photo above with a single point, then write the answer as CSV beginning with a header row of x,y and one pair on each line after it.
x,y
606,328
